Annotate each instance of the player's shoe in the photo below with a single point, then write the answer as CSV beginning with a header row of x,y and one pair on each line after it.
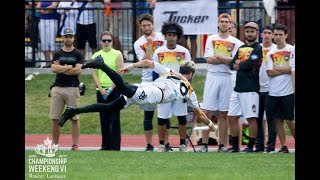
x,y
247,150
68,114
284,149
183,148
222,149
203,148
75,148
270,150
95,63
233,150
259,149
161,148
149,148
168,148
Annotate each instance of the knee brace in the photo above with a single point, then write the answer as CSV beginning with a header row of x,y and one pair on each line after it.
x,y
147,122
182,120
162,122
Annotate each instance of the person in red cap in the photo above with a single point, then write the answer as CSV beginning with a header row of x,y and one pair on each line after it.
x,y
244,101
219,51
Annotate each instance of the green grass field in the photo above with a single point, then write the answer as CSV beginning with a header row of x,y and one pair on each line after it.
x,y
145,166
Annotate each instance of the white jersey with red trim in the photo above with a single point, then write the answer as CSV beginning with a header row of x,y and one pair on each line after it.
x,y
140,50
280,85
263,76
227,47
172,58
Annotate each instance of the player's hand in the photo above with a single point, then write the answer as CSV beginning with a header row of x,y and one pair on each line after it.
x,y
236,67
149,39
218,56
56,62
123,71
212,127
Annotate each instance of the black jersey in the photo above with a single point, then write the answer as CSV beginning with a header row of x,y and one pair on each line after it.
x,y
248,75
70,58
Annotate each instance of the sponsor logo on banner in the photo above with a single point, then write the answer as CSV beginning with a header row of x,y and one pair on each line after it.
x,y
196,17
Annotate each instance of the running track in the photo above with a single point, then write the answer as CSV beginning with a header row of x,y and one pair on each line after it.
x,y
89,141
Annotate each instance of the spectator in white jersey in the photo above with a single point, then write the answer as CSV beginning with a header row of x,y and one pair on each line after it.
x,y
144,48
170,86
281,104
267,44
172,56
219,51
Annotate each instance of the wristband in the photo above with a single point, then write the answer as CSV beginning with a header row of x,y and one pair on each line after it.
x,y
210,123
109,90
131,66
104,97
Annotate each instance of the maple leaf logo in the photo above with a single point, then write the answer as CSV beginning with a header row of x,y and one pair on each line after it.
x,y
47,148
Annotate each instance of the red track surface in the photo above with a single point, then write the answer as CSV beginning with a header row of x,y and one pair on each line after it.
x,y
133,141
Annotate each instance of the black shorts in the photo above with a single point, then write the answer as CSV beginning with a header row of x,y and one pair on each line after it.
x,y
281,107
86,33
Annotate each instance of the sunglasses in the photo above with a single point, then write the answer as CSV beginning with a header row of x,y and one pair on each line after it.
x,y
106,40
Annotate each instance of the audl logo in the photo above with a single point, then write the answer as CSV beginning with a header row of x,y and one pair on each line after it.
x,y
47,166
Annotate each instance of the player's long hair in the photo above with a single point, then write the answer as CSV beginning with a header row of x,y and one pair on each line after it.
x,y
172,24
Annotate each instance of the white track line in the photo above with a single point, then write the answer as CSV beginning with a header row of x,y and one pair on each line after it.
x,y
135,149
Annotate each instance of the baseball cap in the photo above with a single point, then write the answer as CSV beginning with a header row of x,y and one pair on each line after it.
x,y
67,31
252,25
171,30
224,15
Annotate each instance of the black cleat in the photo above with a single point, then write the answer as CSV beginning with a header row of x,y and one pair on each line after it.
x,y
96,63
284,149
149,148
233,150
270,150
168,148
259,149
247,150
68,114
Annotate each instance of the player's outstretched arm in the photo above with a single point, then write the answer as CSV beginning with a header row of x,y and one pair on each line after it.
x,y
204,119
144,63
